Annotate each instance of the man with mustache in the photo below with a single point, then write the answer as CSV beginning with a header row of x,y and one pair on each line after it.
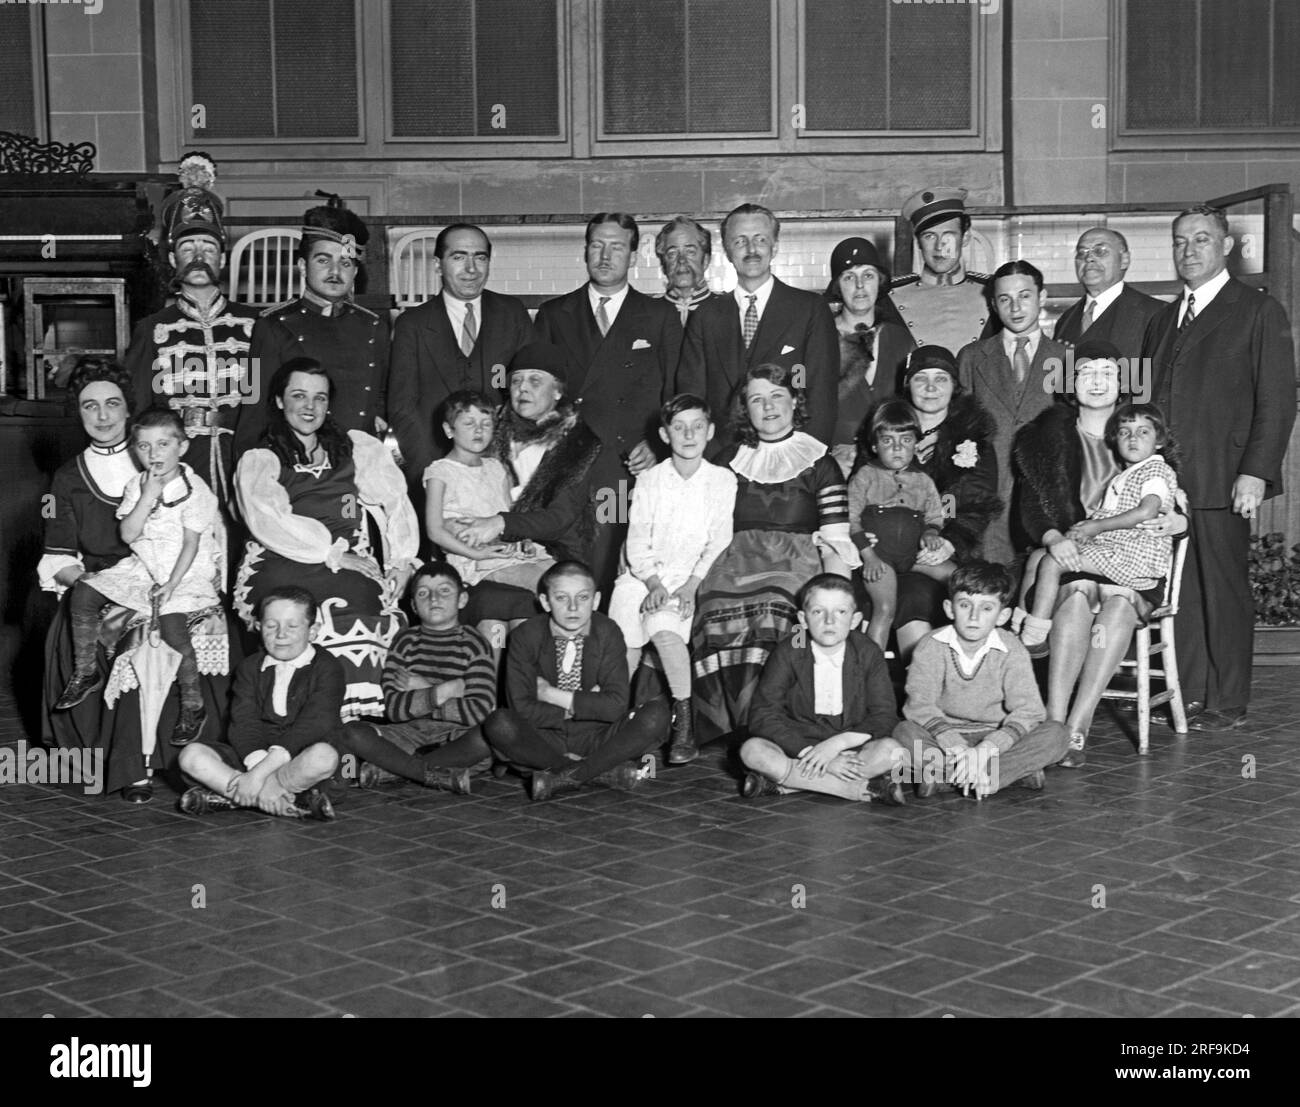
x,y
684,249
1111,311
350,342
621,348
763,321
192,356
945,304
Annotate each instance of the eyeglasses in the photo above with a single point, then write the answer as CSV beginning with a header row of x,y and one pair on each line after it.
x,y
1098,252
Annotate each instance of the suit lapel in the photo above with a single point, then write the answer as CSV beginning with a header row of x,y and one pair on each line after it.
x,y
776,317
582,336
1069,328
1208,321
994,368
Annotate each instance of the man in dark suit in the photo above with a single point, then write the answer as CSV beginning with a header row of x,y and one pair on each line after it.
x,y
621,349
1014,376
1224,369
461,339
764,320
1111,311
684,249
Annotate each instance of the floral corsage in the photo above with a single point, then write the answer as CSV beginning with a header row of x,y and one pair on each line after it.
x,y
966,455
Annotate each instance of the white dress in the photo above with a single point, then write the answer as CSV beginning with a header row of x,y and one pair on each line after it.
x,y
677,527
187,503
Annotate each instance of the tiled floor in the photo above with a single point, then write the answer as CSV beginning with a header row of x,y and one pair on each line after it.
x,y
1168,885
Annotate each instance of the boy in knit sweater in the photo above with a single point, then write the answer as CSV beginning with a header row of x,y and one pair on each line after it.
x,y
439,682
973,716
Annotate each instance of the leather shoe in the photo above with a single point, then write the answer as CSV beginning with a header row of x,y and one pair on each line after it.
x,y
314,804
624,777
1193,708
189,726
1218,720
756,784
455,781
138,793
682,750
370,775
1035,781
201,801
884,789
543,785
78,689
1075,757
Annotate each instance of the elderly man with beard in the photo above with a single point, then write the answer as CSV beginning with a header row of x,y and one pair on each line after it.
x,y
350,342
192,356
684,249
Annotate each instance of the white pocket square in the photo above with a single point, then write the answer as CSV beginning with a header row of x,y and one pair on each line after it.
x,y
786,350
640,344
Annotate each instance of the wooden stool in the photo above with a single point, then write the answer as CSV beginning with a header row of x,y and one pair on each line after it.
x,y
42,292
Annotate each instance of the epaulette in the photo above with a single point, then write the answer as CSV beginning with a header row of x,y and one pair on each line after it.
x,y
899,282
363,310
979,278
273,309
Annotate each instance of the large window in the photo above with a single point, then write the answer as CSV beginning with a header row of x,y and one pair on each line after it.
x,y
1207,69
873,65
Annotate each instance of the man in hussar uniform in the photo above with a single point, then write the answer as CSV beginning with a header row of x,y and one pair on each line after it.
x,y
945,304
192,356
350,342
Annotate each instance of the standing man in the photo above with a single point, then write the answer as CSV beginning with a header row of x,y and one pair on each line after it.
x,y
762,320
1111,311
192,356
621,348
1224,370
945,304
684,249
349,341
461,339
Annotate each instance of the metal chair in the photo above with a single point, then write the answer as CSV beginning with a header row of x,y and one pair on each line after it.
x,y
411,271
264,267
1156,638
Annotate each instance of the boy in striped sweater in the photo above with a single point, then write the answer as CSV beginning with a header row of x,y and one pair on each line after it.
x,y
439,683
973,717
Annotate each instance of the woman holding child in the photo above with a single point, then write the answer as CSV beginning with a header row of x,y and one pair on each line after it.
x,y
956,451
791,522
307,493
1065,466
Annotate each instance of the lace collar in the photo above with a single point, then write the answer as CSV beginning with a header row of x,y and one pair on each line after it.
x,y
774,462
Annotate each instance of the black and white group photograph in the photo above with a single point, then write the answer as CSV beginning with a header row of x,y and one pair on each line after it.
x,y
647,509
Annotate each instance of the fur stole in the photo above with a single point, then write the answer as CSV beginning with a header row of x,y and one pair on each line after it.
x,y
974,488
1049,466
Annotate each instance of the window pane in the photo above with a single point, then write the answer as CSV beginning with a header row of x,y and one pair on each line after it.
x,y
930,66
729,52
846,84
518,66
1159,64
1286,74
230,56
431,78
17,82
316,68
644,88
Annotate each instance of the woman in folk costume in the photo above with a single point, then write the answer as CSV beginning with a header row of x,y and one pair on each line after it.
x,y
308,493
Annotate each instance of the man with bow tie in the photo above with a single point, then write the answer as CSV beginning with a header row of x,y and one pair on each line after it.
x,y
684,249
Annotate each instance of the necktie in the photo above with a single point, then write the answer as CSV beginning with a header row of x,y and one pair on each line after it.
x,y
1190,313
750,327
469,333
1087,314
568,664
602,316
1020,360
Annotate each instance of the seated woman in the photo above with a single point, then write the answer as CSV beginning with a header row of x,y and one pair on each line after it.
x,y
83,538
550,454
1065,467
307,492
956,451
791,522
873,345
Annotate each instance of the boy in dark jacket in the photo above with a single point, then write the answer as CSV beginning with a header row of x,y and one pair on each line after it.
x,y
824,707
284,721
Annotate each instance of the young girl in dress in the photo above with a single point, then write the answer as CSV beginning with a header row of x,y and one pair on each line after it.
x,y
1109,542
170,521
468,484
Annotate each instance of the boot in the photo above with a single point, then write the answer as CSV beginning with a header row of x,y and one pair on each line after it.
x,y
624,777
370,775
201,801
189,725
682,750
543,785
79,688
455,781
314,804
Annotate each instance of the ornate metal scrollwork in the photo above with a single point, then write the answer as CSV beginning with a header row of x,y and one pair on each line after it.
x,y
21,154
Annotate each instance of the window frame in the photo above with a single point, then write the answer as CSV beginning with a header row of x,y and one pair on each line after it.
x,y
1124,138
39,126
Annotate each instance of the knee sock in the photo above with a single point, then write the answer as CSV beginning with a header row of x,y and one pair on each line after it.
x,y
367,744
1034,631
676,660
175,632
460,753
83,611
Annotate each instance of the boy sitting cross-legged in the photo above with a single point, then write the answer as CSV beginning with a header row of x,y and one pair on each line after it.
x,y
824,707
439,681
568,721
284,721
973,716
